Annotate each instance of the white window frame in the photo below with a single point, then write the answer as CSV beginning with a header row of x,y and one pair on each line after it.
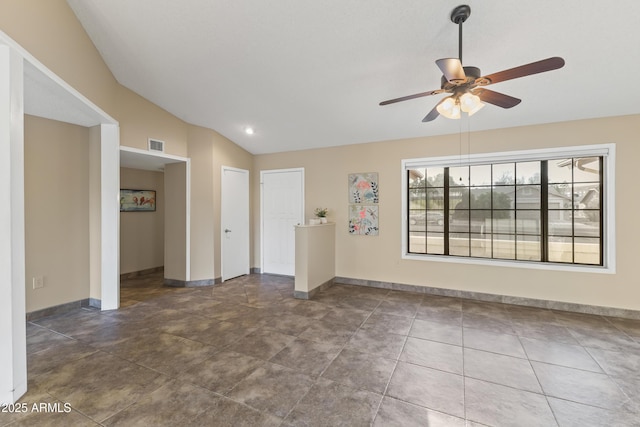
x,y
607,151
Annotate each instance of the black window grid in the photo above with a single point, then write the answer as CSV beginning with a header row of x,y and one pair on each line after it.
x,y
544,235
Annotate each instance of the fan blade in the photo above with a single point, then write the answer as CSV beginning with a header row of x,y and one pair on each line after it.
x,y
433,114
497,98
525,70
417,95
452,70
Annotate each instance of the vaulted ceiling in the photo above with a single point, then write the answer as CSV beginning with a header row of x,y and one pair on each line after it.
x,y
310,73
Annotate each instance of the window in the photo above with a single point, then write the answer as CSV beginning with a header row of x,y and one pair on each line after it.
x,y
539,206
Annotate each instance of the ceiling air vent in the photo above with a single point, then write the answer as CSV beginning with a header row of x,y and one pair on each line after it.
x,y
156,145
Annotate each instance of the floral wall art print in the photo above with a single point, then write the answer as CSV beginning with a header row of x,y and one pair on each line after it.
x,y
363,220
363,188
363,204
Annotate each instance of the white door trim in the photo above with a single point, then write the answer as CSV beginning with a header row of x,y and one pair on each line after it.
x,y
110,216
262,173
25,75
13,354
187,248
224,168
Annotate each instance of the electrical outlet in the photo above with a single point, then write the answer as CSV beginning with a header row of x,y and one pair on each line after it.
x,y
38,282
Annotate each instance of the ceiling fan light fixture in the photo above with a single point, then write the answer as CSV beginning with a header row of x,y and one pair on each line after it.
x,y
449,108
470,103
461,81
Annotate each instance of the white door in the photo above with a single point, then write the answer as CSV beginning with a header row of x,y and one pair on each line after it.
x,y
235,222
282,207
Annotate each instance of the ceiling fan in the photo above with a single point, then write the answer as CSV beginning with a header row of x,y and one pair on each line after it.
x,y
466,85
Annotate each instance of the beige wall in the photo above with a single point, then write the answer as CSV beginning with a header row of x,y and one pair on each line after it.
x,y
175,216
95,213
142,233
379,258
203,233
209,151
49,30
315,256
140,120
56,212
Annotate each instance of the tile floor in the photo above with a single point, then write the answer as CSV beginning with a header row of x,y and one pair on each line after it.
x,y
247,353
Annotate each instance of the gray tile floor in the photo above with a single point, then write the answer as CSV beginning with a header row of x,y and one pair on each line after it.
x,y
247,353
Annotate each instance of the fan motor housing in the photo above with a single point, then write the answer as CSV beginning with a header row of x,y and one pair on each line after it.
x,y
472,74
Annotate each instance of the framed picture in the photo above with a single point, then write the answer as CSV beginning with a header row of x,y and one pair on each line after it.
x,y
364,197
363,220
137,201
363,188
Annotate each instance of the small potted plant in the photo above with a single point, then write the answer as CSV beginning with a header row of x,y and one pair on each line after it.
x,y
321,213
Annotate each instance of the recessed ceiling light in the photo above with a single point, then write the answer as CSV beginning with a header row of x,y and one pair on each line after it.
x,y
249,130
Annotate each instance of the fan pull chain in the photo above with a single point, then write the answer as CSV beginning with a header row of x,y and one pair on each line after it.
x,y
469,143
460,145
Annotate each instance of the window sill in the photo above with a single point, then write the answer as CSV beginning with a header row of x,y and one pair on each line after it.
x,y
576,268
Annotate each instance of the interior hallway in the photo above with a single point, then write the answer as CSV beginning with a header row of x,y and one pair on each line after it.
x,y
246,353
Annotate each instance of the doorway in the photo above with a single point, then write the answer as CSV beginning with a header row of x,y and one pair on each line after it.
x,y
281,208
28,87
162,236
234,222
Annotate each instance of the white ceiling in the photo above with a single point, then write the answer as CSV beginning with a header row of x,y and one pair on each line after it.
x,y
309,73
137,159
